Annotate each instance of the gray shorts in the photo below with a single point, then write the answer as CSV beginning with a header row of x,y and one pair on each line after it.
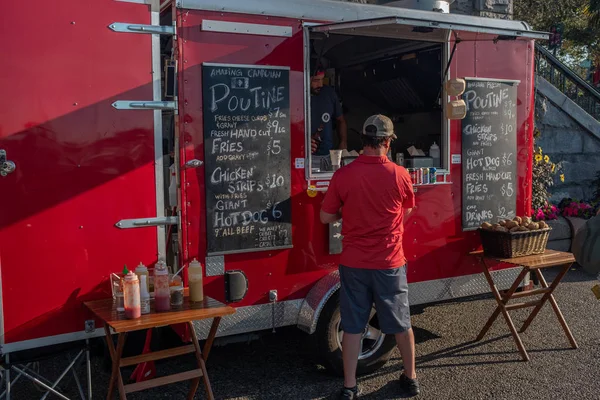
x,y
387,288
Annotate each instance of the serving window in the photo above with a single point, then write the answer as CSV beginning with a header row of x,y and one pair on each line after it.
x,y
396,72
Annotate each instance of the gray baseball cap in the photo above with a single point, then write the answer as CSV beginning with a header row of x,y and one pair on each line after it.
x,y
379,126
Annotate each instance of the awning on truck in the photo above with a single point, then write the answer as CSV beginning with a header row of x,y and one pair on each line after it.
x,y
418,29
344,16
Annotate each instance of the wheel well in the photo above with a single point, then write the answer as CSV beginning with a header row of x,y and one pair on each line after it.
x,y
315,301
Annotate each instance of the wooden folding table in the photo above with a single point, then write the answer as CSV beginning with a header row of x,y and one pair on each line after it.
x,y
106,311
533,263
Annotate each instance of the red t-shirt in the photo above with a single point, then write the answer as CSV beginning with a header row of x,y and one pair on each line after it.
x,y
373,193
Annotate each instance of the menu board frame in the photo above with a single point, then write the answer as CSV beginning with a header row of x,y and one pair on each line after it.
x,y
508,214
283,193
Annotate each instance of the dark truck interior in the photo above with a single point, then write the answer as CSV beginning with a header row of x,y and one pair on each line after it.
x,y
398,78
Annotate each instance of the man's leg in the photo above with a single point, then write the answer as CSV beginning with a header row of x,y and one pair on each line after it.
x,y
356,301
406,345
393,312
350,352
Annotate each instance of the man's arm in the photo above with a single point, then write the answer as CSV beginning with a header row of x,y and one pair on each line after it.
x,y
342,129
331,209
327,218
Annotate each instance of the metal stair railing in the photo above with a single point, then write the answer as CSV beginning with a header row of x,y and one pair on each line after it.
x,y
567,81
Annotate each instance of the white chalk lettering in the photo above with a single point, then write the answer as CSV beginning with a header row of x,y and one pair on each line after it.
x,y
259,97
225,72
473,152
474,177
215,133
491,100
226,146
476,188
223,205
487,137
248,186
497,176
228,175
479,216
226,125
213,95
471,129
264,73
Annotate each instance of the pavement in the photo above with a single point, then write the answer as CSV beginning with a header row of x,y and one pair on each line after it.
x,y
450,365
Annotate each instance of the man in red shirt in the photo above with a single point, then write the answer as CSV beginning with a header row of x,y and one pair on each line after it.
x,y
373,195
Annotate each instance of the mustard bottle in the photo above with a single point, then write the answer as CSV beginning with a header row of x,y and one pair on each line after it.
x,y
195,280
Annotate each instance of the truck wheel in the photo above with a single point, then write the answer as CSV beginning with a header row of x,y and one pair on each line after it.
x,y
376,348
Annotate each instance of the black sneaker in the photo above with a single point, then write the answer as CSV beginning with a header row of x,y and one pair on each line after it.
x,y
409,386
349,393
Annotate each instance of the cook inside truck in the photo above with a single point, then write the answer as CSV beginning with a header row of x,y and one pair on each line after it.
x,y
354,77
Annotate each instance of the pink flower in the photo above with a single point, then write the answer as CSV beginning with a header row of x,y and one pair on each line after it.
x,y
553,208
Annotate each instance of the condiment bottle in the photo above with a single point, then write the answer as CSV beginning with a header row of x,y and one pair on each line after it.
x,y
176,288
162,300
131,287
142,270
434,152
195,281
144,295
119,293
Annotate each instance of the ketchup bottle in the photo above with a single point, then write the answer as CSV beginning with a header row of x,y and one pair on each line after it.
x,y
162,292
131,289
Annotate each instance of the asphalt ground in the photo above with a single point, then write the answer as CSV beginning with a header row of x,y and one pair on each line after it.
x,y
450,365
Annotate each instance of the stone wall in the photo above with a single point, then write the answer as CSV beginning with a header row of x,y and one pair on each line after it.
x,y
484,8
564,138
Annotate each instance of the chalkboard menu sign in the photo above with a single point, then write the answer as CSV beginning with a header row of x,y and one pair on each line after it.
x,y
489,148
247,157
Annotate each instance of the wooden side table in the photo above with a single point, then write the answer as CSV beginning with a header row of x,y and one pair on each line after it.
x,y
106,311
534,263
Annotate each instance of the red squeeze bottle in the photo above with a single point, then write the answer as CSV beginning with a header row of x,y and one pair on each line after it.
x,y
131,286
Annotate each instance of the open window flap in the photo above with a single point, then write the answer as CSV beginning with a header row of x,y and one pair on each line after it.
x,y
466,37
392,27
425,29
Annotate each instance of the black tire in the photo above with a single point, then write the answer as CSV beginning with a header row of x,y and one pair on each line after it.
x,y
329,349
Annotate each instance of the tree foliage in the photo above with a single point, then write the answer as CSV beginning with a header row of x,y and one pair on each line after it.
x,y
581,20
592,11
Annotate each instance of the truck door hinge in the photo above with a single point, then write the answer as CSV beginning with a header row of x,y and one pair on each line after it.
x,y
144,105
145,222
125,27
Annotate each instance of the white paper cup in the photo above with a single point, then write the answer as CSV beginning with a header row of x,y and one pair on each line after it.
x,y
336,157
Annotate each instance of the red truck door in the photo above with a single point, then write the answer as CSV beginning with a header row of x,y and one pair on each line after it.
x,y
80,164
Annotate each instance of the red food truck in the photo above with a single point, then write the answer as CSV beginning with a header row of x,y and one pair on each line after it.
x,y
133,131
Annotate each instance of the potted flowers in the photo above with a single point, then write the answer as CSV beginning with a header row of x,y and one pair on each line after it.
x,y
544,176
544,173
577,212
547,212
560,235
574,208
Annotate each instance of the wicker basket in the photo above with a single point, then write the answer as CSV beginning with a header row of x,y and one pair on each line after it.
x,y
515,244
